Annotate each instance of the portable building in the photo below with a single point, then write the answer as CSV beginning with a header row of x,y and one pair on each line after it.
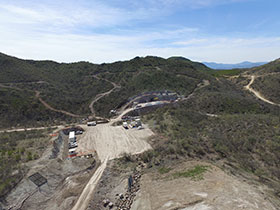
x,y
72,135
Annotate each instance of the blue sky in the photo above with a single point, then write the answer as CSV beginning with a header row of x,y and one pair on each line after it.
x,y
98,31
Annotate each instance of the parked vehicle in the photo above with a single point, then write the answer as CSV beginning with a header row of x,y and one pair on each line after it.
x,y
125,125
79,132
72,145
124,117
92,123
72,152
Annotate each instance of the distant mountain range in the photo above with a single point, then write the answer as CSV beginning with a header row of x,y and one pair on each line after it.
x,y
244,64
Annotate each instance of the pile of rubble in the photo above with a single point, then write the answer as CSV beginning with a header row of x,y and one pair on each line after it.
x,y
125,201
56,147
107,202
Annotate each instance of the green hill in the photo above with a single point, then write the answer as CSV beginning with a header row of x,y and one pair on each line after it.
x,y
270,67
71,87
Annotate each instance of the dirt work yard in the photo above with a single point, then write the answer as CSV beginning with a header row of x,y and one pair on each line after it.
x,y
214,190
111,142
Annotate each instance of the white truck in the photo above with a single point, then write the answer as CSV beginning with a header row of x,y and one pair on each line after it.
x,y
125,125
92,123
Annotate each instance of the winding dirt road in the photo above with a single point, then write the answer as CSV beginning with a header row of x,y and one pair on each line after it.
x,y
101,95
37,95
256,93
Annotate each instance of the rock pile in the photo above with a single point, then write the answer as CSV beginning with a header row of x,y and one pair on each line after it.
x,y
125,201
56,147
106,202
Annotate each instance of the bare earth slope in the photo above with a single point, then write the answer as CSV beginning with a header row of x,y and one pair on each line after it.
x,y
216,191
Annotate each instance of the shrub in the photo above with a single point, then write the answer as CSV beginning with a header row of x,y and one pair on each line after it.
x,y
195,173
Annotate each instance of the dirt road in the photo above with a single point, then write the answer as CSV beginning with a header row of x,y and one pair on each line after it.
x,y
89,188
37,95
10,87
97,98
203,84
101,95
29,129
256,93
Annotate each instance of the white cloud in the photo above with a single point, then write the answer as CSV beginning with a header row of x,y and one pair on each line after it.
x,y
190,42
99,48
192,4
68,32
70,15
63,17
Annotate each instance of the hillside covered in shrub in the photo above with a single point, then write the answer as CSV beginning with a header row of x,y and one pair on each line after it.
x,y
72,87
